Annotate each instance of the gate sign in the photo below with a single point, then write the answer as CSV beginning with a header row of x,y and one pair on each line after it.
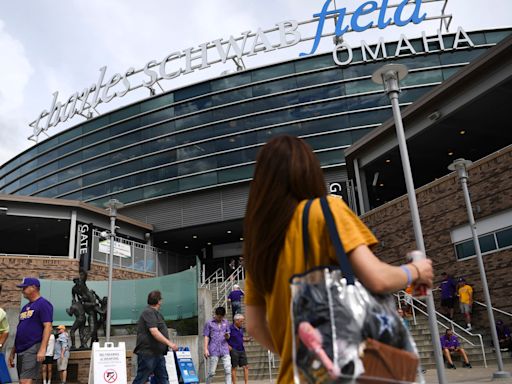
x,y
339,189
84,235
120,249
186,366
108,364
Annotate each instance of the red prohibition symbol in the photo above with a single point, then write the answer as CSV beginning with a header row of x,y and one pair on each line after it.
x,y
110,376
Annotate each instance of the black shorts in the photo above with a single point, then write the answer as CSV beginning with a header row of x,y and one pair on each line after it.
x,y
447,303
238,358
48,360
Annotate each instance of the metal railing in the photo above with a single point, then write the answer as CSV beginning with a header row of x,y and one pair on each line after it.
x,y
413,301
494,309
226,286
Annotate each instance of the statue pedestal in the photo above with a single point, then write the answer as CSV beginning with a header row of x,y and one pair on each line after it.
x,y
79,364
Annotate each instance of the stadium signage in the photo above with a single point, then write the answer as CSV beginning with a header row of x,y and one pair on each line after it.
x,y
369,14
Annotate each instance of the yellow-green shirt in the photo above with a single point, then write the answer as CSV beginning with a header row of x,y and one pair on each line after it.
x,y
466,294
291,261
4,324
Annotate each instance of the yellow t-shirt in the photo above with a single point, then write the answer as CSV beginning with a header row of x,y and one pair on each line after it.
x,y
4,324
291,261
466,294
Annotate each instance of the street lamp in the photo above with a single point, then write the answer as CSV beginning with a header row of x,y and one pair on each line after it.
x,y
112,205
460,165
390,75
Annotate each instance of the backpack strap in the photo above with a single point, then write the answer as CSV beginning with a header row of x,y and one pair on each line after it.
x,y
345,265
305,233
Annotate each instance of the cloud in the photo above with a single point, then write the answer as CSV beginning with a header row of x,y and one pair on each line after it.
x,y
16,72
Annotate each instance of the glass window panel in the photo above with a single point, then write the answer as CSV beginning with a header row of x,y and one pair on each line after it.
x,y
235,141
45,145
262,136
271,72
29,178
322,125
157,102
234,174
52,192
315,62
274,86
487,243
96,177
368,101
95,150
69,134
192,91
95,191
496,36
157,130
47,157
198,181
411,95
160,189
124,127
46,182
477,37
356,134
465,249
95,123
460,56
96,136
195,135
193,106
124,113
97,163
449,72
320,77
237,157
358,70
122,183
361,86
157,116
159,159
231,81
28,190
70,172
124,140
195,166
194,120
230,96
162,143
324,108
73,196
331,157
195,150
321,93
329,141
232,111
504,238
69,186
11,187
369,117
129,196
423,77
71,159
125,168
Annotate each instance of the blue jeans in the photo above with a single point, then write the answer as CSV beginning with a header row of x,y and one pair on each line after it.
x,y
147,364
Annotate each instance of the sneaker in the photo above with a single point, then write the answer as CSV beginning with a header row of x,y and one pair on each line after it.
x,y
451,366
468,365
469,328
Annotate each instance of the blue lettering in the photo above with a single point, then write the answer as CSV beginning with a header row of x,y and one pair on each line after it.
x,y
321,19
362,10
382,14
415,18
339,22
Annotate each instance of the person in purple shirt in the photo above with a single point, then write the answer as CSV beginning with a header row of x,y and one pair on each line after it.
x,y
216,333
33,332
235,298
504,336
450,344
236,348
447,288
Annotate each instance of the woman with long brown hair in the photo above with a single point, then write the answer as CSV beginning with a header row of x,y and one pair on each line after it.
x,y
287,174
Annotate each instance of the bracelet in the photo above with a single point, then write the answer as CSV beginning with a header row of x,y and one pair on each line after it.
x,y
417,270
408,273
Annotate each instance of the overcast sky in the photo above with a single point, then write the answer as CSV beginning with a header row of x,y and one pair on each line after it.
x,y
51,45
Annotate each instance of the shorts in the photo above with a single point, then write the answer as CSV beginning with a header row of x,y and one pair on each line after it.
x,y
26,363
238,358
62,364
465,308
447,303
48,360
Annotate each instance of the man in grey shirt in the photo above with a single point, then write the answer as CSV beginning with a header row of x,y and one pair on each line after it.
x,y
152,342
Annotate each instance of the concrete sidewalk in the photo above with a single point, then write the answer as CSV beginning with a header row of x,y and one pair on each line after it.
x,y
453,376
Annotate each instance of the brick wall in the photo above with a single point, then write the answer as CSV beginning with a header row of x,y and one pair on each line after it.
x,y
14,268
442,208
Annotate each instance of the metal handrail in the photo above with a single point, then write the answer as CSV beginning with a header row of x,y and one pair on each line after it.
x,y
227,286
451,322
494,309
215,277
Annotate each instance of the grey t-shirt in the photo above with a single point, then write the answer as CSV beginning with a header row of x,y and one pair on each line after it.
x,y
146,343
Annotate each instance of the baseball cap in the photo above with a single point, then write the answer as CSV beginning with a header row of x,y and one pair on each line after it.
x,y
28,281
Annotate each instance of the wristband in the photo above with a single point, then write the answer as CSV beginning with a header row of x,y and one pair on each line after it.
x,y
408,273
417,270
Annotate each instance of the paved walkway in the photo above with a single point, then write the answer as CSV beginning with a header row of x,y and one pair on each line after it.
x,y
453,376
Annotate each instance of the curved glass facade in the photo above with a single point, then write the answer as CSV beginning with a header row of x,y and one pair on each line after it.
x,y
208,134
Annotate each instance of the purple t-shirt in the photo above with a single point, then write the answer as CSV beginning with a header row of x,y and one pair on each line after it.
x,y
449,342
236,339
447,289
218,345
235,295
30,328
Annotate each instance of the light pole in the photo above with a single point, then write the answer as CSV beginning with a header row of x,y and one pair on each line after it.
x,y
390,75
460,165
112,205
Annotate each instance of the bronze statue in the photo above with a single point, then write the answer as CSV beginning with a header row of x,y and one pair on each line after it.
x,y
86,305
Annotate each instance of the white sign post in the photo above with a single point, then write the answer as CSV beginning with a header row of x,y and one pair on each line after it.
x,y
170,364
108,364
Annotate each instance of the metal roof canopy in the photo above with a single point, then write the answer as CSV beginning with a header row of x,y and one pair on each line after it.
x,y
466,116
